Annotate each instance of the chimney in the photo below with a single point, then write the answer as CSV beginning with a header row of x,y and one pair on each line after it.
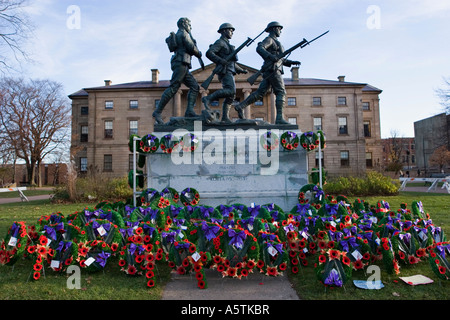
x,y
341,78
155,75
107,83
294,72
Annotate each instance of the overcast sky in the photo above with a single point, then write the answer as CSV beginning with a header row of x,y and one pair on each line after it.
x,y
401,47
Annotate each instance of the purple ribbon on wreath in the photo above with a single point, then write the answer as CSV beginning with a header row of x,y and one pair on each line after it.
x,y
15,230
441,249
175,210
182,245
268,236
148,229
105,226
333,279
366,235
278,246
134,247
302,208
254,210
169,236
405,237
319,192
126,232
335,236
210,232
351,241
205,211
63,246
50,232
331,208
102,257
237,238
289,228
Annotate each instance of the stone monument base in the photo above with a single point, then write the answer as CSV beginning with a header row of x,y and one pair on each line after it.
x,y
230,164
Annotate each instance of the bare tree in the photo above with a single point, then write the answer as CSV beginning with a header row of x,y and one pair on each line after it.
x,y
34,119
444,95
15,29
440,158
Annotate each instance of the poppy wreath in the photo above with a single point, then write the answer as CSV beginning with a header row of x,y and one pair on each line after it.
x,y
418,210
168,143
189,142
63,256
171,194
105,231
190,196
147,196
139,178
358,251
269,140
405,247
240,255
299,243
333,268
14,244
390,262
148,144
309,141
273,256
289,140
209,236
421,230
438,259
136,142
322,138
316,195
41,253
93,255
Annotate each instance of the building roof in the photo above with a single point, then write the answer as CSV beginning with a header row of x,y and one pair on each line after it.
x,y
166,83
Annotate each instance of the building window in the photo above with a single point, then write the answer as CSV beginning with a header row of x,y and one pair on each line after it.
x,y
259,118
134,104
342,121
367,129
317,101
366,106
83,164
84,111
133,127
292,101
258,103
317,124
345,162
292,120
369,163
109,105
84,137
108,129
342,101
107,162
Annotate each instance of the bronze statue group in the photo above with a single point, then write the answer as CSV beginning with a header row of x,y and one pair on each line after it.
x,y
224,55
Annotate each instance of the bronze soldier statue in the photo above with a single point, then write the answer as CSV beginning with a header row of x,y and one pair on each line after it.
x,y
272,70
184,47
218,53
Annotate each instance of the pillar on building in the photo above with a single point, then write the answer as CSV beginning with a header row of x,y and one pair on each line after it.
x,y
248,109
177,112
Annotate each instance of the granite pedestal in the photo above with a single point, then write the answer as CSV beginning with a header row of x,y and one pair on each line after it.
x,y
230,165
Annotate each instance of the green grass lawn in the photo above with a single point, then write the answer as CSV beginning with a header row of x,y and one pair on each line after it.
x,y
112,284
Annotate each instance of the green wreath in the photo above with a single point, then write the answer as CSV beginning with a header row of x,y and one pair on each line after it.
x,y
269,140
13,247
189,142
309,141
290,140
323,140
168,143
190,196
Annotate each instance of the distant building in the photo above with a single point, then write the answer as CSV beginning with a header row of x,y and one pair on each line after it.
x,y
348,113
401,151
51,174
430,134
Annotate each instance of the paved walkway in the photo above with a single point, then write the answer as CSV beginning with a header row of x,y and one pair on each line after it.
x,y
255,287
30,198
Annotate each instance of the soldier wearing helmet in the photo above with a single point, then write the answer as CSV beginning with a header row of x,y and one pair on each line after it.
x,y
218,53
269,49
180,63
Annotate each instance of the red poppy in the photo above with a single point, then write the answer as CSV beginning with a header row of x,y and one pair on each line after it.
x,y
199,276
139,258
201,284
151,283
131,270
149,274
401,255
122,262
260,264
231,272
37,267
271,271
442,270
358,264
36,275
294,261
322,258
334,254
217,259
43,240
294,269
185,262
181,270
244,272
220,268
282,266
251,264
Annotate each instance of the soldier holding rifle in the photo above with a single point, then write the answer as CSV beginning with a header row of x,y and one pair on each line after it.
x,y
218,53
184,47
270,49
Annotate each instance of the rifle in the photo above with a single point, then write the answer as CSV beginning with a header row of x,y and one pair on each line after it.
x,y
301,44
220,68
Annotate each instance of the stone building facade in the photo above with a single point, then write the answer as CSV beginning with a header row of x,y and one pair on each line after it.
x,y
347,112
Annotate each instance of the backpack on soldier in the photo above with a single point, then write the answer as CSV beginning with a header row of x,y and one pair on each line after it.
x,y
171,41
